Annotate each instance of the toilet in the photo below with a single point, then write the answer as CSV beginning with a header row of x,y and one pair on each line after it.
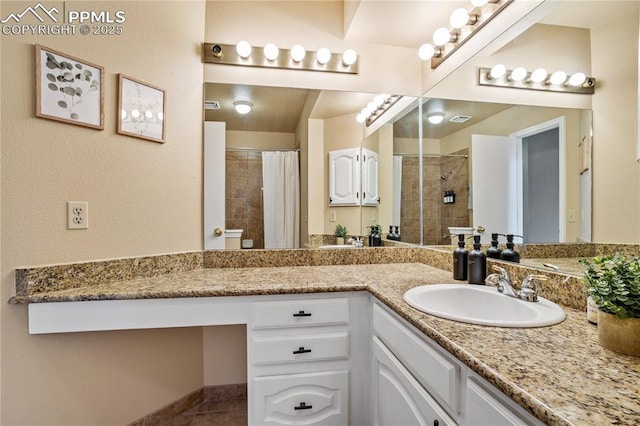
x,y
232,238
454,231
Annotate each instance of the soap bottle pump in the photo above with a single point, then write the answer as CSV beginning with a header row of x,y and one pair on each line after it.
x,y
460,260
509,254
494,251
477,263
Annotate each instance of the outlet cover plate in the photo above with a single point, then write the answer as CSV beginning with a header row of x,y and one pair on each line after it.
x,y
77,215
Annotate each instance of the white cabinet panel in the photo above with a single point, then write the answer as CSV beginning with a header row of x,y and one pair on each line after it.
x,y
399,398
296,313
344,177
302,399
370,192
305,347
437,373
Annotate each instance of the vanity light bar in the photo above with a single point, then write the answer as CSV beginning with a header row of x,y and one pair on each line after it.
x,y
378,106
463,25
539,79
270,56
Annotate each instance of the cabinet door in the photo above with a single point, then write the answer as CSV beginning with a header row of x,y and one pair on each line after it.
x,y
344,177
370,193
398,397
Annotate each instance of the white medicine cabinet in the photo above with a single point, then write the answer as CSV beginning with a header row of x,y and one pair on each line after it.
x,y
353,177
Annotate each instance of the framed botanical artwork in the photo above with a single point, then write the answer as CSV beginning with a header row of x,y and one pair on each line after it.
x,y
69,89
141,109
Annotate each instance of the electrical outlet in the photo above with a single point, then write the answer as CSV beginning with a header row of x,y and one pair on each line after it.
x,y
77,215
571,215
332,216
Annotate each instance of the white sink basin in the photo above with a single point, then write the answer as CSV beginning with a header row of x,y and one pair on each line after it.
x,y
482,305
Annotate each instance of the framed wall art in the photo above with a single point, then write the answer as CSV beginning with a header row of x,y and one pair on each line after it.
x,y
141,109
69,89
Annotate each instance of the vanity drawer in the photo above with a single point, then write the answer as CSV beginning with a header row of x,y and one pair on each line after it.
x,y
306,347
309,398
293,313
439,375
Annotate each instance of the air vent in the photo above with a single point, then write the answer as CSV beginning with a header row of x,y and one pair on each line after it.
x,y
211,105
460,118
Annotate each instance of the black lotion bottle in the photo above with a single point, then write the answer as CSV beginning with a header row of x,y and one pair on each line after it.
x,y
477,263
460,260
493,251
509,254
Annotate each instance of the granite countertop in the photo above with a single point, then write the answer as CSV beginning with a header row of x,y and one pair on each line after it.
x,y
559,373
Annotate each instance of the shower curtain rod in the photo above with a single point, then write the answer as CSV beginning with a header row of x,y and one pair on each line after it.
x,y
409,154
261,149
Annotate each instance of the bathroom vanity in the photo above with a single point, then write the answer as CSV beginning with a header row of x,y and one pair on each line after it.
x,y
337,344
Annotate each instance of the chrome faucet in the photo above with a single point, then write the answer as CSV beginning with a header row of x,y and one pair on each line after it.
x,y
528,291
356,242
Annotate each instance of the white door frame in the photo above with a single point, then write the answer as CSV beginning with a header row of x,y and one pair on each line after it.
x,y
560,124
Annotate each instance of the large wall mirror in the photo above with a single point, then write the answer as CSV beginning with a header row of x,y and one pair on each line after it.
x,y
598,203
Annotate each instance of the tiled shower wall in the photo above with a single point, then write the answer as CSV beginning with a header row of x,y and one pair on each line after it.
x,y
437,215
244,195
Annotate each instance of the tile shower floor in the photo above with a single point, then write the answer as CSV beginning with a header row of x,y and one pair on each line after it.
x,y
214,413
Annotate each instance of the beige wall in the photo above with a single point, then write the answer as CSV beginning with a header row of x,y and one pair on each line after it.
x,y
616,174
260,140
144,198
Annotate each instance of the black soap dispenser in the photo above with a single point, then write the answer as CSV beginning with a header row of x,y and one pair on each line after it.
x,y
477,263
494,251
460,260
509,254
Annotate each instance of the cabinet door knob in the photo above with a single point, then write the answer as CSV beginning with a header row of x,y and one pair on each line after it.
x,y
217,232
303,406
302,314
302,350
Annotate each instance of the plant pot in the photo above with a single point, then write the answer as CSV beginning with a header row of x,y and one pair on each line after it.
x,y
339,241
619,335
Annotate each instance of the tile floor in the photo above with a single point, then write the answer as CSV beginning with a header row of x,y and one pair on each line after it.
x,y
214,413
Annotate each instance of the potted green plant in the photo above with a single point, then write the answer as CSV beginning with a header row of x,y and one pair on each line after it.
x,y
613,282
340,233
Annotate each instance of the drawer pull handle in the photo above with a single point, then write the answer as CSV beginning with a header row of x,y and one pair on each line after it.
x,y
302,314
302,350
303,406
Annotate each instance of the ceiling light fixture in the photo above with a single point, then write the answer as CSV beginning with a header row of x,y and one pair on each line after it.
x,y
519,78
243,107
270,56
464,24
435,117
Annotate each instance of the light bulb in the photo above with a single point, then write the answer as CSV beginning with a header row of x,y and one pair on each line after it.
x,y
371,106
349,57
479,3
243,48
518,74
577,79
558,77
441,36
160,116
378,100
123,114
497,71
459,18
135,113
148,114
297,52
323,55
539,75
426,52
271,51
360,118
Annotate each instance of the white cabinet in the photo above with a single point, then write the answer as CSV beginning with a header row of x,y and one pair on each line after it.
x,y
370,192
300,367
398,397
353,177
417,382
344,177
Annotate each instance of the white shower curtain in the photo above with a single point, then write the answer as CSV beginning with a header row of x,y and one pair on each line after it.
x,y
281,195
397,188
